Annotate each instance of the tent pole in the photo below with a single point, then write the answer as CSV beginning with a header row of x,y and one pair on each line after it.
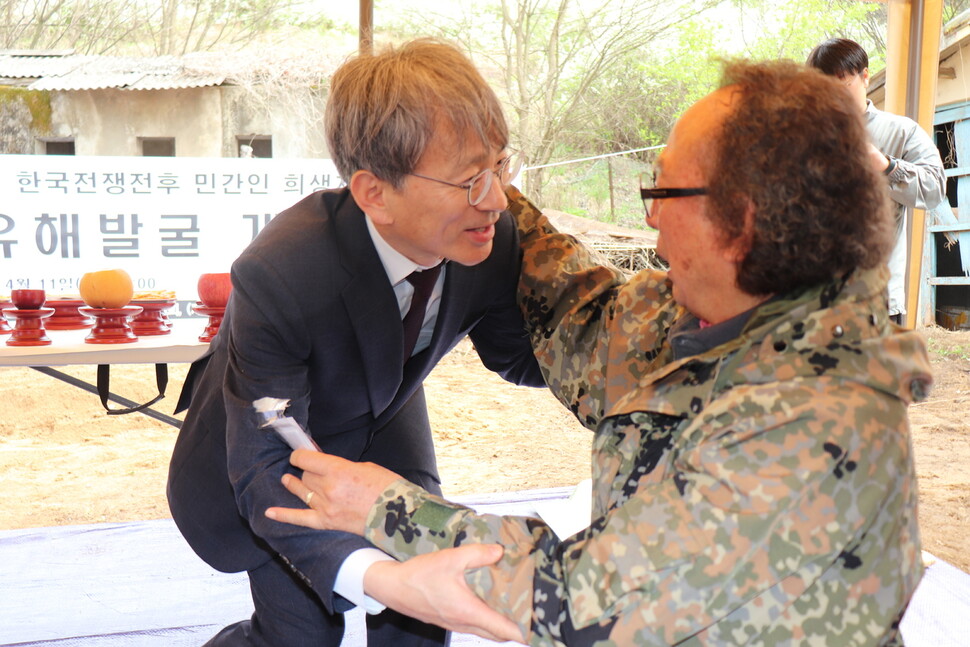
x,y
912,59
365,29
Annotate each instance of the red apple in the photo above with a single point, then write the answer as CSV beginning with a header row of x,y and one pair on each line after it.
x,y
214,289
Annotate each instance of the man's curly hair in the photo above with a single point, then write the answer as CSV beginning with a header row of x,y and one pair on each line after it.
x,y
795,147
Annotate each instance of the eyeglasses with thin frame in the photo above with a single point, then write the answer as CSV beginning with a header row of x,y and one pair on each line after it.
x,y
479,186
650,193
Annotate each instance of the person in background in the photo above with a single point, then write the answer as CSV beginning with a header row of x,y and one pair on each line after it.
x,y
315,322
753,478
899,149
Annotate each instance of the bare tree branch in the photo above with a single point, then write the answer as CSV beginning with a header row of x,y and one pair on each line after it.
x,y
153,27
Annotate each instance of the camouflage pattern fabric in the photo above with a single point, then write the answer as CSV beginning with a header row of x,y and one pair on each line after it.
x,y
762,493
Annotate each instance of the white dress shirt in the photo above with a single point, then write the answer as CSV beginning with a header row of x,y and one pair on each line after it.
x,y
398,268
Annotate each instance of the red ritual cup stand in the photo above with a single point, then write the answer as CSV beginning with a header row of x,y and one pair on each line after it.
x,y
28,328
111,325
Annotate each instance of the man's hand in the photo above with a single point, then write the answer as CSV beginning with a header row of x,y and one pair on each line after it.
x,y
339,493
432,588
428,587
879,161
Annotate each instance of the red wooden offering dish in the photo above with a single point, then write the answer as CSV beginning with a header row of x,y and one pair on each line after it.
x,y
5,328
28,329
152,320
111,324
66,315
215,316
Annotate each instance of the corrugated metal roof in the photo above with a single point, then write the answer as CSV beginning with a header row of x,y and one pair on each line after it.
x,y
23,67
156,82
79,72
81,80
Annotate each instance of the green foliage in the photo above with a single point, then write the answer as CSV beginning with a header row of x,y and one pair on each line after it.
x,y
567,101
650,88
556,63
771,29
605,189
673,78
943,350
952,8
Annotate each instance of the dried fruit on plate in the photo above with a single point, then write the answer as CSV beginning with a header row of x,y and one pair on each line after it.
x,y
153,295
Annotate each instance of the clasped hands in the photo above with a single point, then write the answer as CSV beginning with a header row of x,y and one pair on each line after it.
x,y
428,587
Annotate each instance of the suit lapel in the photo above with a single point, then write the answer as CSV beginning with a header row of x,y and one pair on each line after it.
x,y
376,319
455,298
371,306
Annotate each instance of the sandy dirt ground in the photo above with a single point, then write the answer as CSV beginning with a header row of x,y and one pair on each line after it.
x,y
63,461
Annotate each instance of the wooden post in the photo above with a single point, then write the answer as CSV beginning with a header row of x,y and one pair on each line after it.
x,y
932,25
897,55
609,169
365,28
912,61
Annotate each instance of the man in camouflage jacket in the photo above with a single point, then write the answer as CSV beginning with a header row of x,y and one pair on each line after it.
x,y
752,468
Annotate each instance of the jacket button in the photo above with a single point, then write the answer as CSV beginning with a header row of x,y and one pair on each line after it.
x,y
838,331
919,389
780,346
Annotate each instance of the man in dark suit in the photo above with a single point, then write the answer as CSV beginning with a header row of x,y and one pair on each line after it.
x,y
315,318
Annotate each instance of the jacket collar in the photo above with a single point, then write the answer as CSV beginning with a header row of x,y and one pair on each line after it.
x,y
838,329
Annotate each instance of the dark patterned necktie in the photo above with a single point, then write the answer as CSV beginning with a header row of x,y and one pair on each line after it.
x,y
423,283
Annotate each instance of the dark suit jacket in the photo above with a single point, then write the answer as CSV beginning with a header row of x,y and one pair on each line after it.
x,y
313,319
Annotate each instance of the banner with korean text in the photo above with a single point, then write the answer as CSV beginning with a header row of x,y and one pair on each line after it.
x,y
165,220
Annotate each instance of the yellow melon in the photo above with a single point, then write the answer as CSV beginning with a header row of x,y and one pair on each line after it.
x,y
106,289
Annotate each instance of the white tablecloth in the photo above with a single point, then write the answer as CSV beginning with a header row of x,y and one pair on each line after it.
x,y
68,347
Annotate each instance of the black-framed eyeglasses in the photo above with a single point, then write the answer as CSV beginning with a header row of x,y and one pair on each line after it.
x,y
479,185
649,193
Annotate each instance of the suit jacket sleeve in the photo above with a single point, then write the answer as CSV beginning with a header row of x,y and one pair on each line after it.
x,y
268,356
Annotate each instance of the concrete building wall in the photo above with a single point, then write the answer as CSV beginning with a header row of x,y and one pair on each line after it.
x,y
205,122
112,122
16,125
294,120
